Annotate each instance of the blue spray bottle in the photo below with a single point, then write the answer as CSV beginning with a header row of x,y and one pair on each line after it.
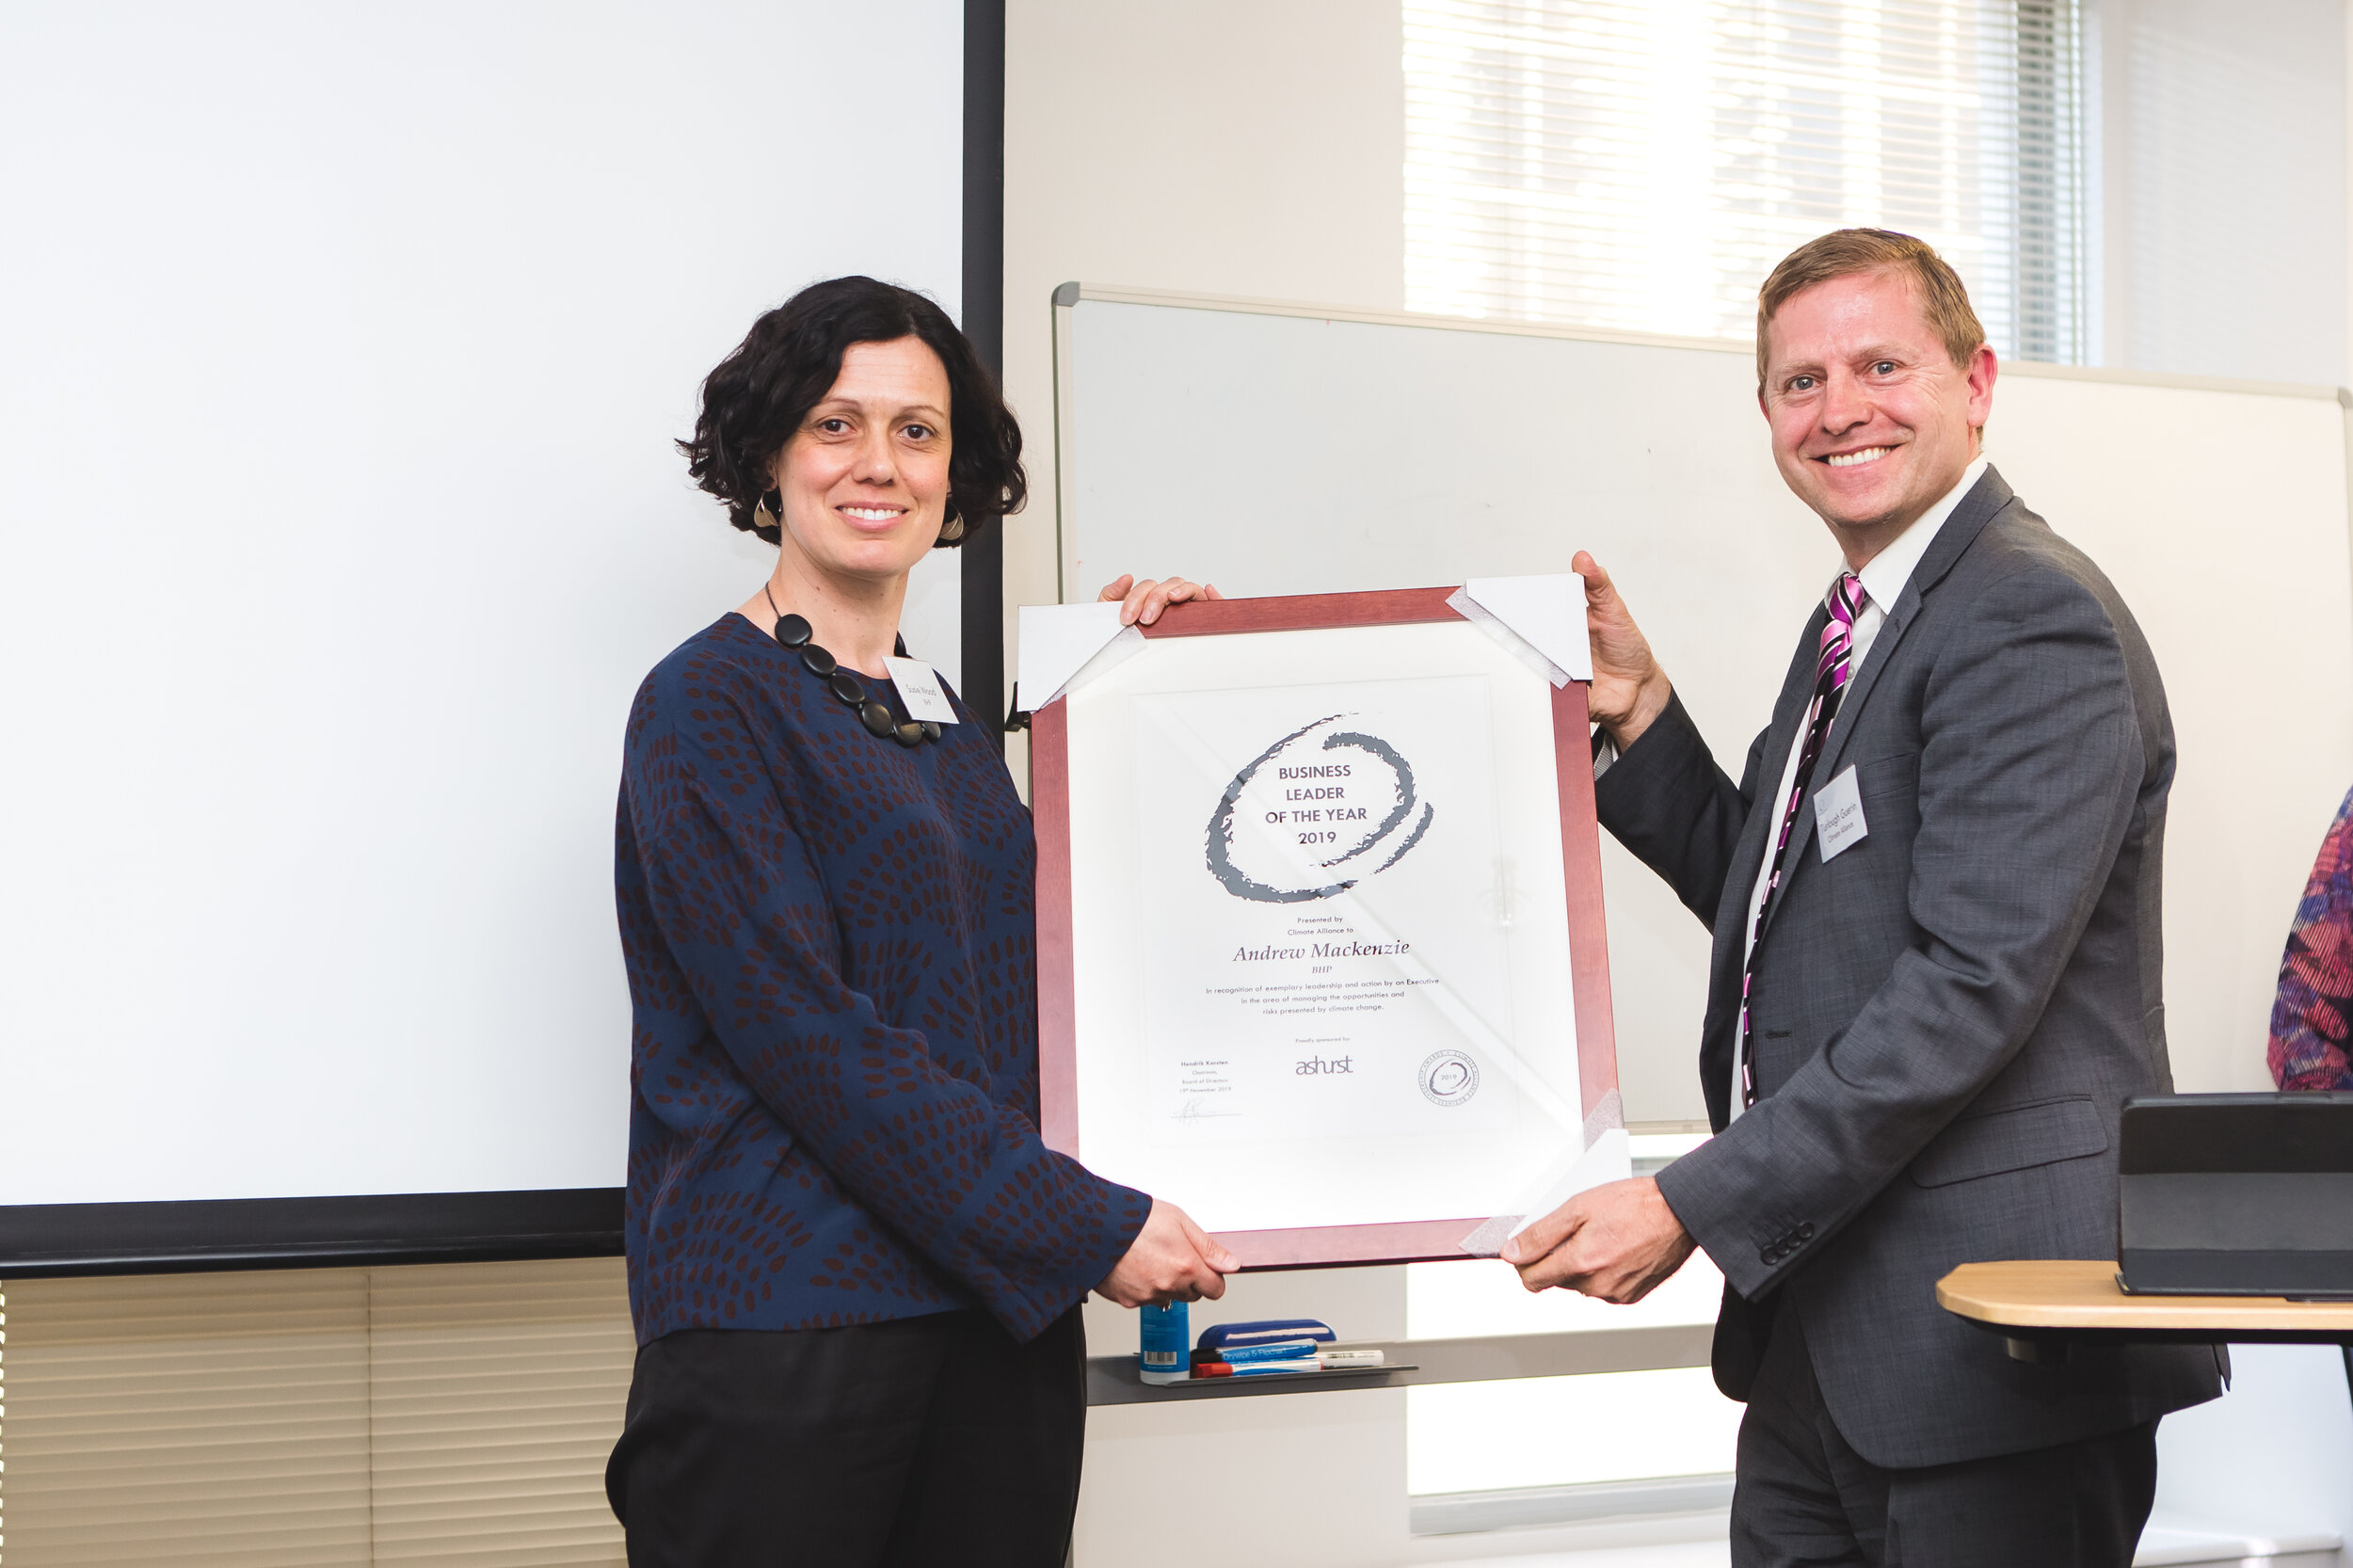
x,y
1167,1343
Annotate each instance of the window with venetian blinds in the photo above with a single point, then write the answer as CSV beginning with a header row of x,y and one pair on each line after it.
x,y
1639,165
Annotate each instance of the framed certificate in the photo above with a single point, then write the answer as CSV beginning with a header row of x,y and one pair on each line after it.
x,y
1322,952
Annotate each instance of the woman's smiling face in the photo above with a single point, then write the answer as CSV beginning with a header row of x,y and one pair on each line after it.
x,y
865,477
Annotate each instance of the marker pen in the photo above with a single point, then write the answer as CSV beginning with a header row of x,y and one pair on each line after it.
x,y
1324,1361
1286,1349
1334,1361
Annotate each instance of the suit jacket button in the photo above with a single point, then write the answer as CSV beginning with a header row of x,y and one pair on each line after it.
x,y
1805,1231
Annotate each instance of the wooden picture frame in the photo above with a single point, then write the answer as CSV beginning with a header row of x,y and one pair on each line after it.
x,y
1059,1053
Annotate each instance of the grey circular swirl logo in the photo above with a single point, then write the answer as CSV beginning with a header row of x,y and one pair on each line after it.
x,y
1327,808
1448,1077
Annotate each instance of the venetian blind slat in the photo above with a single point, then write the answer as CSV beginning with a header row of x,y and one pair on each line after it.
x,y
498,1396
205,1419
454,1414
1642,164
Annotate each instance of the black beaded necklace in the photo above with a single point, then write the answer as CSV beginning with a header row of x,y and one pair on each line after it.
x,y
794,632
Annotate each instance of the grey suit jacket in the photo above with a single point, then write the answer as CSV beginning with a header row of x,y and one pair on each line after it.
x,y
1947,1017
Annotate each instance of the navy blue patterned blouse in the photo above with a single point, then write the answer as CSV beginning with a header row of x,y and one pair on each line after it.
x,y
834,1061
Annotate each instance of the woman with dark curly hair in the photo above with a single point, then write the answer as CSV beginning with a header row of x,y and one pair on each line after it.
x,y
854,1265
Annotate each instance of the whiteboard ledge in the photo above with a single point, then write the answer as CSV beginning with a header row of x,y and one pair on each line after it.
x,y
214,1235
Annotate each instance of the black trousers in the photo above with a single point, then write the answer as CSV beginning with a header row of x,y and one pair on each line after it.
x,y
1803,1497
928,1440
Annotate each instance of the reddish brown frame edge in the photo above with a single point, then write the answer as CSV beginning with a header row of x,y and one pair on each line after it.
x,y
1321,1247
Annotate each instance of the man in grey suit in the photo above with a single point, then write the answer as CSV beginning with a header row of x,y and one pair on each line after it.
x,y
1934,896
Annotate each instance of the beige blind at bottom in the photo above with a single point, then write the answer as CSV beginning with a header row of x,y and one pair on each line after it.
x,y
458,1414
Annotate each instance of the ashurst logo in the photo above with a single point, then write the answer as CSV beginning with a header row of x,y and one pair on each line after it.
x,y
1317,1064
1337,805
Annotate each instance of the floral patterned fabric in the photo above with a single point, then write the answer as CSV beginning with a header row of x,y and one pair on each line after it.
x,y
2315,1002
830,940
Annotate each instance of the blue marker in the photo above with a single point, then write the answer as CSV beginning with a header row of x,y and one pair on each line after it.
x,y
1289,1349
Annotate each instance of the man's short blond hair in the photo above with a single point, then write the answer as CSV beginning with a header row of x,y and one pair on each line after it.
x,y
1850,252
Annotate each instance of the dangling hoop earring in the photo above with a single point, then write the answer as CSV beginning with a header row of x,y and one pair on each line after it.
x,y
951,530
764,516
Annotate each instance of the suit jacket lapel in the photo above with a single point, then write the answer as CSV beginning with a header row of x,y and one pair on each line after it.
x,y
1977,508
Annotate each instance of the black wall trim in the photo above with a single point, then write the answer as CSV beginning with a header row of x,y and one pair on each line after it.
x,y
984,602
42,1240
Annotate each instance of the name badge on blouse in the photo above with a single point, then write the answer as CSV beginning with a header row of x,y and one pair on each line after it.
x,y
920,689
1838,816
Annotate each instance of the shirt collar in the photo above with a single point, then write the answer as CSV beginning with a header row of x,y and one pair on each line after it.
x,y
1885,578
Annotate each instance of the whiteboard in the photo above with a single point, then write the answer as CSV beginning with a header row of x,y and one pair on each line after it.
x,y
1274,448
341,348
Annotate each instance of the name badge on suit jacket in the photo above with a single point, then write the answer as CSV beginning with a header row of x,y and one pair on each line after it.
x,y
1839,815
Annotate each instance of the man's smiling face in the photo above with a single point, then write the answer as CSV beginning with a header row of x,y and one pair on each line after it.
x,y
1872,420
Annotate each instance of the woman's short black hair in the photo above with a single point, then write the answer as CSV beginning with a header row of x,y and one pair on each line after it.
x,y
756,399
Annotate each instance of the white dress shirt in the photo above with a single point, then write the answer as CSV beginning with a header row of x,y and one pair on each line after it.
x,y
1884,580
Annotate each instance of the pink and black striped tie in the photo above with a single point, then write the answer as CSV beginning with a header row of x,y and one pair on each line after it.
x,y
1832,666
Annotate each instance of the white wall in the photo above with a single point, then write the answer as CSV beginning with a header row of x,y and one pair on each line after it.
x,y
1228,147
2220,187
2271,1456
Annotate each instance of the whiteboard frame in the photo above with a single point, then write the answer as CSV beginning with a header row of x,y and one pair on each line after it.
x,y
1058,1047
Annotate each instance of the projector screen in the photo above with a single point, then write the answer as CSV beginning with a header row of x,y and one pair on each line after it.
x,y
342,349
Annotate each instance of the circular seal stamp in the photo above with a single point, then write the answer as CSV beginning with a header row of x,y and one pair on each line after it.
x,y
1448,1077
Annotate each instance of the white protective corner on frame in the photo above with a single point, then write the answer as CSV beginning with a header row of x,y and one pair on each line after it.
x,y
1542,620
1606,1156
1062,644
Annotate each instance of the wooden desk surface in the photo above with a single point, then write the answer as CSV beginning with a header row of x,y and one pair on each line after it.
x,y
2082,1293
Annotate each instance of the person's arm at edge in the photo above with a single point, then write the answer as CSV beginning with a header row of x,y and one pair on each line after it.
x,y
2315,1001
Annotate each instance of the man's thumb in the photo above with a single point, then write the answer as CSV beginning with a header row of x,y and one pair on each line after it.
x,y
1597,580
1541,1237
1214,1255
